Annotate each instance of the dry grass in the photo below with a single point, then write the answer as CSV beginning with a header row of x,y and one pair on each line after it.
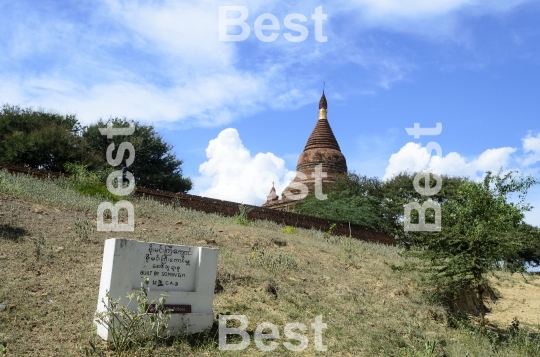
x,y
519,299
264,272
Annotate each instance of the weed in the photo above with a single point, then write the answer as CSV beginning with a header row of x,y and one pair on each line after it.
x,y
430,349
350,249
329,235
289,230
270,261
3,348
175,203
59,193
514,326
83,229
40,246
242,216
202,233
129,328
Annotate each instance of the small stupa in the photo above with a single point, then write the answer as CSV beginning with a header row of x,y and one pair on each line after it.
x,y
322,149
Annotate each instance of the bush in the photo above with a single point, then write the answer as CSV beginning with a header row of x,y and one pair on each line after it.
x,y
89,183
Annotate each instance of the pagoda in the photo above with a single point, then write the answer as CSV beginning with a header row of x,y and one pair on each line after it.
x,y
322,149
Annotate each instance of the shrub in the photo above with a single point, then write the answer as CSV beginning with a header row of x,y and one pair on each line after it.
x,y
242,216
89,183
135,328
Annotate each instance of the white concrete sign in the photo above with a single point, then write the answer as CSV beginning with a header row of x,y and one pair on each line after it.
x,y
186,274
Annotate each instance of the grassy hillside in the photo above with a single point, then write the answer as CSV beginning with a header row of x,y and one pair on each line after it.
x,y
50,266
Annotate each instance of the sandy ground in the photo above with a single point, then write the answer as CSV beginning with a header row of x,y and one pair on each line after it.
x,y
520,298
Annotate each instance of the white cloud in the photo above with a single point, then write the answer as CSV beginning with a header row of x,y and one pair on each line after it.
x,y
434,19
187,30
531,146
146,102
162,62
413,157
157,62
233,174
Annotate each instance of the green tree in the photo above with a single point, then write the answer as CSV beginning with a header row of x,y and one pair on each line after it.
x,y
351,198
154,167
481,227
399,191
375,203
40,139
530,253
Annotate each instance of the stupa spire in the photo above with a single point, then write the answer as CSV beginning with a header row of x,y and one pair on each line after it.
x,y
323,106
322,103
272,196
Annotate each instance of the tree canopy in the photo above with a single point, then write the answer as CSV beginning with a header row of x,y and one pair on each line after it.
x,y
375,203
40,139
352,199
49,141
154,167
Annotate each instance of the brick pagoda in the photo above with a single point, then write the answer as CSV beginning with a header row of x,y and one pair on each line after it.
x,y
321,148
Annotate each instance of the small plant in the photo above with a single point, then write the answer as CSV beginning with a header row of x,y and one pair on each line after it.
x,y
40,246
328,235
3,348
135,328
83,229
242,216
430,349
514,326
289,230
8,218
350,249
175,203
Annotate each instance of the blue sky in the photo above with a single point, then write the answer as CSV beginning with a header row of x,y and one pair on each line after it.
x,y
239,113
